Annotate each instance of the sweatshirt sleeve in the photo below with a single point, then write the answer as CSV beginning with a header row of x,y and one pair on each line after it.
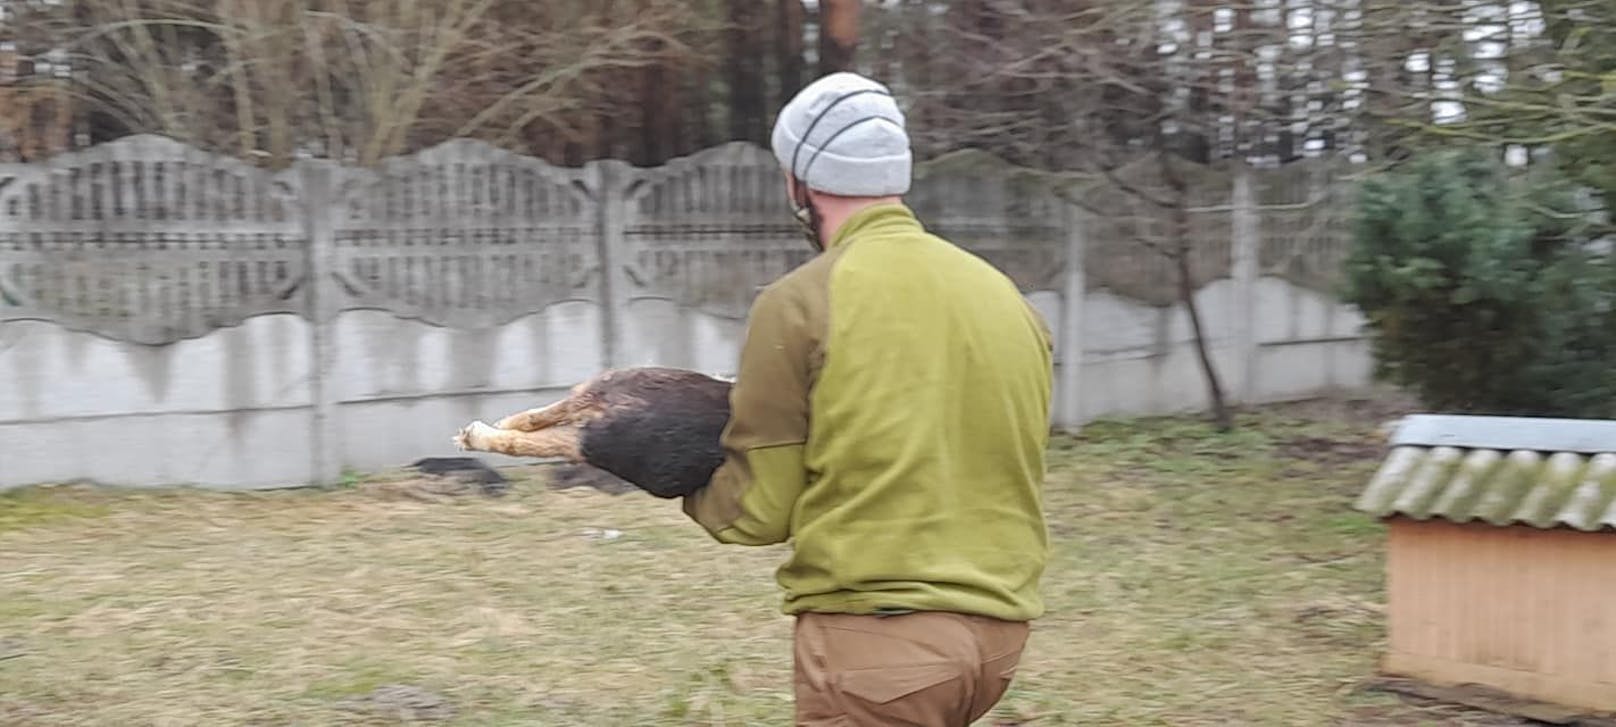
x,y
751,495
1044,333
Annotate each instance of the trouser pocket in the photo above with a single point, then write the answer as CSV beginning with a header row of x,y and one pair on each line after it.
x,y
925,669
913,694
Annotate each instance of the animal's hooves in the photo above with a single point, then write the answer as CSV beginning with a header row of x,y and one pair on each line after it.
x,y
467,440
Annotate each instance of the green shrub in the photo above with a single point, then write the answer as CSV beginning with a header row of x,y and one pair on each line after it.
x,y
1482,289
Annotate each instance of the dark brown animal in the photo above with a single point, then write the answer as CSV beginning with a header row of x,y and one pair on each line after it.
x,y
655,427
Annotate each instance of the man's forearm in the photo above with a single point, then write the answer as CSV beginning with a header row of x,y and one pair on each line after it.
x,y
751,496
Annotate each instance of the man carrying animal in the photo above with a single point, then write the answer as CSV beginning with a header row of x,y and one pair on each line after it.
x,y
889,417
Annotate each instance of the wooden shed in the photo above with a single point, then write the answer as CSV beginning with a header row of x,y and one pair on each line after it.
x,y
1501,555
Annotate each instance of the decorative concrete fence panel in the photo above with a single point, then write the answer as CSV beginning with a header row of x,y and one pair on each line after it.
x,y
170,316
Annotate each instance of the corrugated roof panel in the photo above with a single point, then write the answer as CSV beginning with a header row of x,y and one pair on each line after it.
x,y
1587,506
1427,479
1560,475
1465,490
1498,486
1507,487
1387,483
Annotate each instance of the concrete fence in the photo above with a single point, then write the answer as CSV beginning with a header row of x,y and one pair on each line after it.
x,y
169,316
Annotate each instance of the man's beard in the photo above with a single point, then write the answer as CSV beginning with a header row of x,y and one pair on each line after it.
x,y
802,210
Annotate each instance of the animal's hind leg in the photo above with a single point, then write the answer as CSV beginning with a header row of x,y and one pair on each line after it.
x,y
556,442
535,419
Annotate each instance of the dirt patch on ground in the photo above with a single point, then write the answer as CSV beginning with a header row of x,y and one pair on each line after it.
x,y
438,479
447,479
1488,706
567,477
1371,411
427,489
401,702
1330,451
17,712
1419,713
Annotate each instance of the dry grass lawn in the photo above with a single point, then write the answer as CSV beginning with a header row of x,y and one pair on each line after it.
x,y
1197,579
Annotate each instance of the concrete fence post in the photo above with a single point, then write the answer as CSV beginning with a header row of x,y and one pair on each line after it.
x,y
1246,230
318,188
609,179
1069,331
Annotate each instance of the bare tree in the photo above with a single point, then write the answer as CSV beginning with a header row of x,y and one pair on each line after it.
x,y
1530,75
788,47
838,34
744,70
1138,95
35,109
357,79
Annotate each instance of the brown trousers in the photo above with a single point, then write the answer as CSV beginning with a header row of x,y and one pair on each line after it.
x,y
926,669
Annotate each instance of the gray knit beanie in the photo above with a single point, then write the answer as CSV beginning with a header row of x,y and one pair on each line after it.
x,y
844,135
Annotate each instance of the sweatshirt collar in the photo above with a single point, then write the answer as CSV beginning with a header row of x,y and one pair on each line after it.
x,y
879,216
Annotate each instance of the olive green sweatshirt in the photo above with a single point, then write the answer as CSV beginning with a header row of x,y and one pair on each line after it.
x,y
889,417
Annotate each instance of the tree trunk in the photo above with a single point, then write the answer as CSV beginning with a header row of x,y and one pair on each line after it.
x,y
1385,54
661,126
788,47
1244,103
915,55
744,70
608,125
1180,245
838,35
700,109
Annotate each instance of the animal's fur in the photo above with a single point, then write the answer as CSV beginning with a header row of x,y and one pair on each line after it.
x,y
466,470
655,427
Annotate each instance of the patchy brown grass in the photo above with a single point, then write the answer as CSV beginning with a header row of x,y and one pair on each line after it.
x,y
1197,579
